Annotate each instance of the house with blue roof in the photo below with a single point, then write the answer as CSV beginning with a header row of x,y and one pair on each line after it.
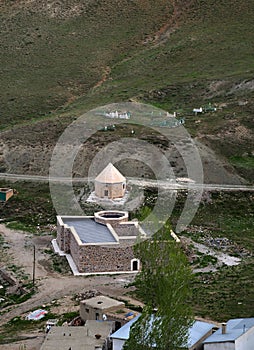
x,y
236,334
198,332
122,334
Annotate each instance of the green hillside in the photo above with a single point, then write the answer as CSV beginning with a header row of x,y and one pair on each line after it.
x,y
59,59
64,58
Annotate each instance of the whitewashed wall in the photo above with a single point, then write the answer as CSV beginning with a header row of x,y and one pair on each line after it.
x,y
118,344
220,346
246,341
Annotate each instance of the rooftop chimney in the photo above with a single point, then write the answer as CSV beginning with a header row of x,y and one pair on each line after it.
x,y
223,328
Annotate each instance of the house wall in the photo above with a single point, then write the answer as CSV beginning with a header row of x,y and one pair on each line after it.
x,y
116,190
88,312
9,194
118,344
246,341
220,346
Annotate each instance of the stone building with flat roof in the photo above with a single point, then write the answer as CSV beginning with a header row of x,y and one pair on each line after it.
x,y
110,183
102,243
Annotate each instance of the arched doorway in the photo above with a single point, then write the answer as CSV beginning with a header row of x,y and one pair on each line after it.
x,y
134,264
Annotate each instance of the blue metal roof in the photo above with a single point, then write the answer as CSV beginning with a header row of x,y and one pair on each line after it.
x,y
235,328
197,331
124,331
90,231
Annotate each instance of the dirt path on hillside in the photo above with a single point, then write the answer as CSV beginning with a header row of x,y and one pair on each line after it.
x,y
163,34
51,285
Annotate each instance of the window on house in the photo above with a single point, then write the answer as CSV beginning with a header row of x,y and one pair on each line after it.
x,y
106,193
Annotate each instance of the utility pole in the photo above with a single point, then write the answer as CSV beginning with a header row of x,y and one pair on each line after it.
x,y
34,268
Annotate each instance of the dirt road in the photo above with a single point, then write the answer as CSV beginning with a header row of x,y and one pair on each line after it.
x,y
51,285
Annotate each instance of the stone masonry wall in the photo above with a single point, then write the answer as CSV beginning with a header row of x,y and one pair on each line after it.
x,y
60,236
63,238
111,221
75,251
67,238
126,229
95,258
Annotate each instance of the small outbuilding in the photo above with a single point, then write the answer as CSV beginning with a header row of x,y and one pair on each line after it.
x,y
236,334
95,308
5,194
110,183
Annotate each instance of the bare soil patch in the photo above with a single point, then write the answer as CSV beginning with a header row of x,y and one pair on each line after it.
x,y
52,285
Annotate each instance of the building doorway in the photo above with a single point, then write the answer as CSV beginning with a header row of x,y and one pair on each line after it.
x,y
135,265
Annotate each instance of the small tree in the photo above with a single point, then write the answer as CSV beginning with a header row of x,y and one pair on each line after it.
x,y
164,286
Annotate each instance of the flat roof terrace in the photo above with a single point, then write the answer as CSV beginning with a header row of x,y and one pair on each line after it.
x,y
89,231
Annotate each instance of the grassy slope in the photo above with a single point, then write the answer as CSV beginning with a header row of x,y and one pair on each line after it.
x,y
70,57
228,293
47,59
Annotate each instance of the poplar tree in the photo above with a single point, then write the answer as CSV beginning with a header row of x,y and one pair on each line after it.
x,y
164,286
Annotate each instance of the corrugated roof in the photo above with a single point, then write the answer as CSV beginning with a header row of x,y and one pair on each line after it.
x,y
110,175
197,331
235,328
90,231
